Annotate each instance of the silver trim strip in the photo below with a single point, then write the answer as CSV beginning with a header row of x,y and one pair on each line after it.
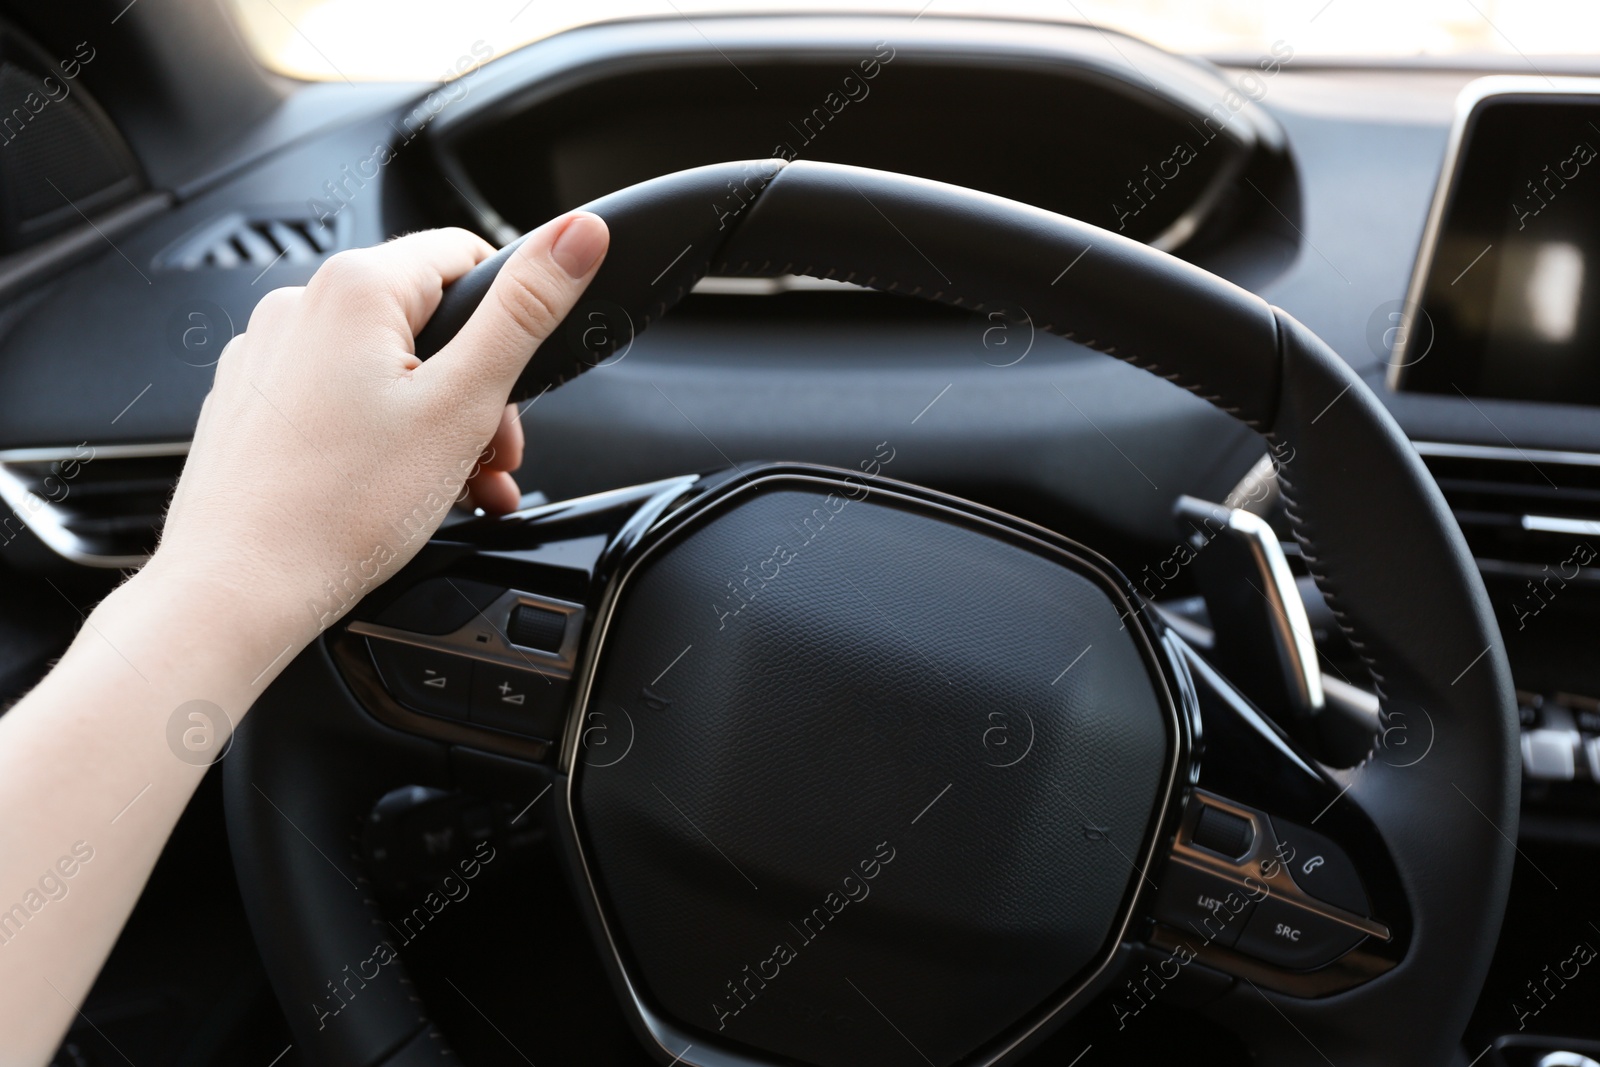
x,y
1258,492
643,491
1449,450
1532,523
495,646
1473,94
1553,524
1296,644
716,285
1504,568
705,1055
65,452
1354,700
41,516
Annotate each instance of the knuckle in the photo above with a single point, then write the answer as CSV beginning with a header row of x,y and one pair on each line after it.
x,y
526,297
228,358
274,305
352,268
465,236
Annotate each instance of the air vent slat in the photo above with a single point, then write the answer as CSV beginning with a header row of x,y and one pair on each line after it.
x,y
292,240
1534,497
1519,510
256,247
236,241
100,506
224,255
320,235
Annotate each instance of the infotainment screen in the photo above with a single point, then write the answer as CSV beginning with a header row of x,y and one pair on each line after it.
x,y
1509,291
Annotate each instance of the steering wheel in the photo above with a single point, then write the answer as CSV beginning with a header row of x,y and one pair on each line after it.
x,y
894,778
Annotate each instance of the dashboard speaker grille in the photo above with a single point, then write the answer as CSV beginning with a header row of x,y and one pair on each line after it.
x,y
61,156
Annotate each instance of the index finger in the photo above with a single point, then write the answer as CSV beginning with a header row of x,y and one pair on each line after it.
x,y
416,267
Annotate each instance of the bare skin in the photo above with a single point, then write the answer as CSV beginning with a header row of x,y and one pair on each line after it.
x,y
325,449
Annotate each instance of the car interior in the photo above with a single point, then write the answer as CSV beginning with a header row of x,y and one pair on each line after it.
x,y
1058,535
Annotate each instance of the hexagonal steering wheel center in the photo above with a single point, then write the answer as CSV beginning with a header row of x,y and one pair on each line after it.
x,y
875,763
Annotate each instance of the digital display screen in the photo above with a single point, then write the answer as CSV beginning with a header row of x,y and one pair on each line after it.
x,y
1510,307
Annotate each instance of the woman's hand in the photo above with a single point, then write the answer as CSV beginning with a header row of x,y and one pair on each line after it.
x,y
327,453
325,456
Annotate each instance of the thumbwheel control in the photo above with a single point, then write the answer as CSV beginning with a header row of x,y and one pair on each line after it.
x,y
1223,832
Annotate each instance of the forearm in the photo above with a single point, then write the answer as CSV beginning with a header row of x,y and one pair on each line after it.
x,y
96,766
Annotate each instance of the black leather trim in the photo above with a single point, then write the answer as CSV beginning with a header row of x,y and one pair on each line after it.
x,y
426,1049
296,801
902,235
970,249
1391,562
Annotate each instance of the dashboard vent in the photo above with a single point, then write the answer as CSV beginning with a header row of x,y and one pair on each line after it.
x,y
100,506
1522,510
254,242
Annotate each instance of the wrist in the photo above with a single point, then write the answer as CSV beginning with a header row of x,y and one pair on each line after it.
x,y
211,627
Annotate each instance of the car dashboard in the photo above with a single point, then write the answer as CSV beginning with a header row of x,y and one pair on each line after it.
x,y
1326,189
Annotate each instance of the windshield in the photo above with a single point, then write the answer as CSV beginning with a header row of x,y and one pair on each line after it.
x,y
358,40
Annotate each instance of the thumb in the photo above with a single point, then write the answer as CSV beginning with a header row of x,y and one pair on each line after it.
x,y
533,291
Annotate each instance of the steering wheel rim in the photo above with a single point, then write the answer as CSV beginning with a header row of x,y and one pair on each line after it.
x,y
1405,589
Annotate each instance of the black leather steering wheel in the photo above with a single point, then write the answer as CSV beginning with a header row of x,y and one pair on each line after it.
x,y
1374,532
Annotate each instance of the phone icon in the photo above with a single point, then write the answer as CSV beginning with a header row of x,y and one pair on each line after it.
x,y
1312,864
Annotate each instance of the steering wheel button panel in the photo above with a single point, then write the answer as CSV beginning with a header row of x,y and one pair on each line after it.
x,y
1291,936
519,701
1320,867
424,679
1205,905
438,605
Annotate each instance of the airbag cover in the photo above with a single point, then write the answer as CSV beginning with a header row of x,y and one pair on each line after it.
x,y
863,781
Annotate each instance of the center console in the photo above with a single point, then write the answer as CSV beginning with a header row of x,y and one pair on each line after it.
x,y
1503,314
